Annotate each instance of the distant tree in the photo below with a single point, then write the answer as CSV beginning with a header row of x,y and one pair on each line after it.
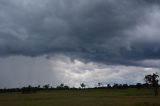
x,y
46,86
109,86
145,85
66,87
38,86
138,85
99,84
62,85
29,89
82,85
125,86
116,85
152,79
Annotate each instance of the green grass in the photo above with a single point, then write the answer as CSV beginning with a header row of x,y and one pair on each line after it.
x,y
99,97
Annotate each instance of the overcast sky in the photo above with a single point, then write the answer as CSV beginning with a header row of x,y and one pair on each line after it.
x,y
75,41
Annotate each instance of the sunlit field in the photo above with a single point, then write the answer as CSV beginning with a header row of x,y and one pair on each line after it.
x,y
92,97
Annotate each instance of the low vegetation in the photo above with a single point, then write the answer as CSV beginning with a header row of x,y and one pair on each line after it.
x,y
83,97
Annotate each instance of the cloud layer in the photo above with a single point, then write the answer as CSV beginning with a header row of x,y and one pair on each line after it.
x,y
82,41
19,71
110,31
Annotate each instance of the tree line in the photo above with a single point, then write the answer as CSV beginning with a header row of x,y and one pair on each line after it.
x,y
151,82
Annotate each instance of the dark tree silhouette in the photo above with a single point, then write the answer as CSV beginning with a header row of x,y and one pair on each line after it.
x,y
46,86
99,84
152,79
138,85
62,85
109,86
82,85
29,89
115,86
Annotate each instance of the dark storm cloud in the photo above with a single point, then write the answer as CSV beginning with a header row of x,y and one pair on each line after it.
x,y
97,30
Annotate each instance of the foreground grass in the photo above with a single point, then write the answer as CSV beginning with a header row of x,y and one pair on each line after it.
x,y
103,97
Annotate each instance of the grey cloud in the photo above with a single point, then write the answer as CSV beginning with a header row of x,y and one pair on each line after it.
x,y
149,63
19,71
97,30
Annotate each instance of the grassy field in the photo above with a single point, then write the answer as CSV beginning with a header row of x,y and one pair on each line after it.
x,y
99,97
